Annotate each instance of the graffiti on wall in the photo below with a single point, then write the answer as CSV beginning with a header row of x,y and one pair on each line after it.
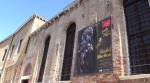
x,y
94,51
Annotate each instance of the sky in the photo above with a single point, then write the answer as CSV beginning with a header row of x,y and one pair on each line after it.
x,y
13,13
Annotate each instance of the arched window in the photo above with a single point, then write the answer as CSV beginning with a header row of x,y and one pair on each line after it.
x,y
42,67
137,13
68,54
28,70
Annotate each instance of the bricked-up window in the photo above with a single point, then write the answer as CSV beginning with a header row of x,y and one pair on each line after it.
x,y
4,55
28,70
42,67
67,61
137,14
19,45
12,50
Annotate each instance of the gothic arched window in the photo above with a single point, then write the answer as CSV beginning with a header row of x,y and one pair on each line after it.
x,y
42,67
68,54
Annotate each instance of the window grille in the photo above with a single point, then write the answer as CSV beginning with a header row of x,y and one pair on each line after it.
x,y
67,62
137,14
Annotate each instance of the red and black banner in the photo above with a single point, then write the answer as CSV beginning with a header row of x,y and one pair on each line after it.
x,y
94,51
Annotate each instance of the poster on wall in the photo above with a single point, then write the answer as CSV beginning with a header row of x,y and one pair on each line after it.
x,y
104,46
94,50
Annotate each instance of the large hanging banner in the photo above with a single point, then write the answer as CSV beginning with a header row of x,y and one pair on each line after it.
x,y
94,50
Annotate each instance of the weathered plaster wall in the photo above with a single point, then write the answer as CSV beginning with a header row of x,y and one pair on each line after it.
x,y
83,15
37,24
3,46
87,12
27,29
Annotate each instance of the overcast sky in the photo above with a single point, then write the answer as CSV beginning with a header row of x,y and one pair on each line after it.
x,y
13,13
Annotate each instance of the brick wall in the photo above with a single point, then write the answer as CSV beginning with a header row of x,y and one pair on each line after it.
x,y
84,14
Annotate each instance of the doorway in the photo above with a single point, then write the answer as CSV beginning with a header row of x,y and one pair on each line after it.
x,y
25,81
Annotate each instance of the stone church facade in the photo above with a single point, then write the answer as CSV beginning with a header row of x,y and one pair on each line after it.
x,y
90,41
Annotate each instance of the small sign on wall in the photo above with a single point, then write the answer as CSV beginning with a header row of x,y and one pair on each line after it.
x,y
94,51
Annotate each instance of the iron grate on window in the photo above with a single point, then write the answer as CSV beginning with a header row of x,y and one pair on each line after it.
x,y
67,62
137,14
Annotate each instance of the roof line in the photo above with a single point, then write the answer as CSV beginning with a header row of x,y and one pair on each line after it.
x,y
21,27
67,9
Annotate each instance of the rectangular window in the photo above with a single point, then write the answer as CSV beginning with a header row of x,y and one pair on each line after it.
x,y
19,45
27,45
12,50
4,55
